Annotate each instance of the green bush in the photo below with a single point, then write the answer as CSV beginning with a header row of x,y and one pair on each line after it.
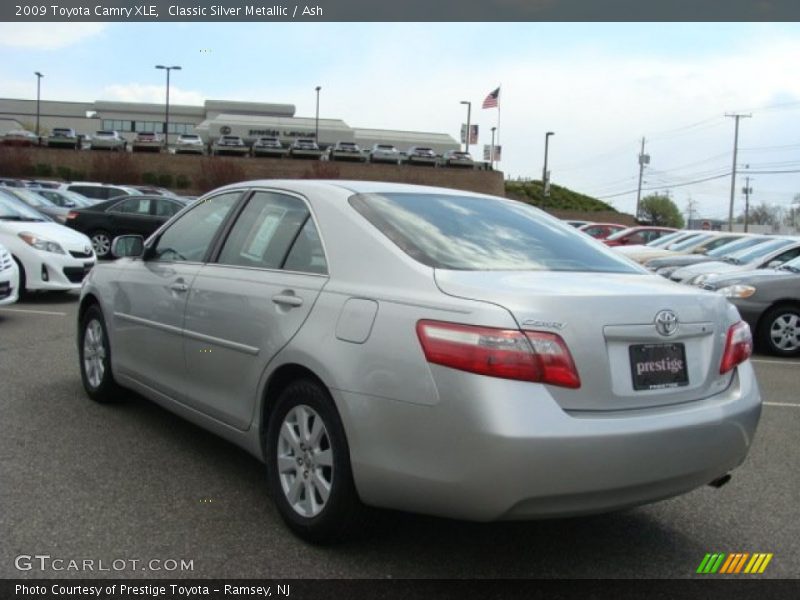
x,y
182,182
560,198
165,180
43,170
150,178
64,173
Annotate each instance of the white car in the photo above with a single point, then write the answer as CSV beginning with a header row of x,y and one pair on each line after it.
x,y
52,257
9,278
229,145
189,143
97,192
384,153
108,140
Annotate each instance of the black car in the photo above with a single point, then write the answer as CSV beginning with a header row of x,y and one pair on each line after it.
x,y
140,215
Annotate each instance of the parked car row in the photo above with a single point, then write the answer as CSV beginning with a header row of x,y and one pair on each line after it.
x,y
48,256
101,211
233,145
759,274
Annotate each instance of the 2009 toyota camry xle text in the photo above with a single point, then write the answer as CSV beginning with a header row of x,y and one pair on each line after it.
x,y
421,349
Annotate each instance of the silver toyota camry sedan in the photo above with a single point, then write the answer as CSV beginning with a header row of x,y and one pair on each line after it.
x,y
421,349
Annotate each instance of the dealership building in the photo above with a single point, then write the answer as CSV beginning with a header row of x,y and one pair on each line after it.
x,y
249,120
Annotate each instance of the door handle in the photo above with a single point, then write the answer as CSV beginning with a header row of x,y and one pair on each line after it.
x,y
179,286
287,300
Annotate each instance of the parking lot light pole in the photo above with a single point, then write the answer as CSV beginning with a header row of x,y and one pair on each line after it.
x,y
166,120
316,119
38,98
469,114
545,177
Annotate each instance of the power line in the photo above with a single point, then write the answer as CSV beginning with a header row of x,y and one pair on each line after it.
x,y
658,187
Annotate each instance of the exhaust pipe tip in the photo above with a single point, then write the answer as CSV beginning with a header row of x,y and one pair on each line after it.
x,y
720,481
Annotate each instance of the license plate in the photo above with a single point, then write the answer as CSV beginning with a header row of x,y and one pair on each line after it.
x,y
658,366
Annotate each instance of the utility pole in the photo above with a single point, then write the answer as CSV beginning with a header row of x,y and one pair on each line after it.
x,y
690,204
644,159
747,190
736,116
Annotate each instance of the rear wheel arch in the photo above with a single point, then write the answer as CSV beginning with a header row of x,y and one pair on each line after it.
x,y
278,381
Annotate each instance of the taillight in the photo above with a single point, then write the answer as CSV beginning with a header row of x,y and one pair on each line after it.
x,y
72,215
738,346
507,353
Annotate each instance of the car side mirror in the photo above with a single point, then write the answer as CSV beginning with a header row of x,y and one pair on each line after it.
x,y
127,246
774,264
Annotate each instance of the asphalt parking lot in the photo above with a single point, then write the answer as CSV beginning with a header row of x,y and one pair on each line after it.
x,y
132,482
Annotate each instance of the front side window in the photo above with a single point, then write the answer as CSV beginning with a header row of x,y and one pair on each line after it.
x,y
189,238
273,232
475,233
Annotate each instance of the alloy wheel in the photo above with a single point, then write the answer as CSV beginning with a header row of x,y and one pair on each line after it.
x,y
785,332
305,461
94,353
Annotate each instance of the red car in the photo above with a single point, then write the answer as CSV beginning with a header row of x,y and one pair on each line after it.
x,y
601,231
637,235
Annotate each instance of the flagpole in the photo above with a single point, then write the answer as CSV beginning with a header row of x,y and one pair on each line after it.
x,y
498,115
498,120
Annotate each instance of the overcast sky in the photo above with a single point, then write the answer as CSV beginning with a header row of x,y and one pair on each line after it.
x,y
600,87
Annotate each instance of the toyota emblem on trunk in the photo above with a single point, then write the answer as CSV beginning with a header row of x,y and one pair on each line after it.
x,y
666,322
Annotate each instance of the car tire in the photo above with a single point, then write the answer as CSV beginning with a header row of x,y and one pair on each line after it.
x,y
101,243
779,330
95,358
323,507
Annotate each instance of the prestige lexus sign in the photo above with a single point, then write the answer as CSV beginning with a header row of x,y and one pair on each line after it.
x,y
278,133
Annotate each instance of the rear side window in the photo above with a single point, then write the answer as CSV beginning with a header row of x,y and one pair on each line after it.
x,y
274,231
132,206
469,233
166,208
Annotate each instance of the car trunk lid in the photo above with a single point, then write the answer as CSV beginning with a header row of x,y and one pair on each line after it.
x,y
608,322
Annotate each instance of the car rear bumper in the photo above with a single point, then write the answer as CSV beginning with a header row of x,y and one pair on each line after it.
x,y
494,449
270,152
190,150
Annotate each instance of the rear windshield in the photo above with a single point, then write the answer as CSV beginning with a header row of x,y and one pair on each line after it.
x,y
482,234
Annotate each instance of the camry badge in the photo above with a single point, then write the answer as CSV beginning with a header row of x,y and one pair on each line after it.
x,y
666,322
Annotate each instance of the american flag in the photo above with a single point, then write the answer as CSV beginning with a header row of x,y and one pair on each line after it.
x,y
491,99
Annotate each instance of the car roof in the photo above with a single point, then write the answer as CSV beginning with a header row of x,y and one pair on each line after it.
x,y
352,186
